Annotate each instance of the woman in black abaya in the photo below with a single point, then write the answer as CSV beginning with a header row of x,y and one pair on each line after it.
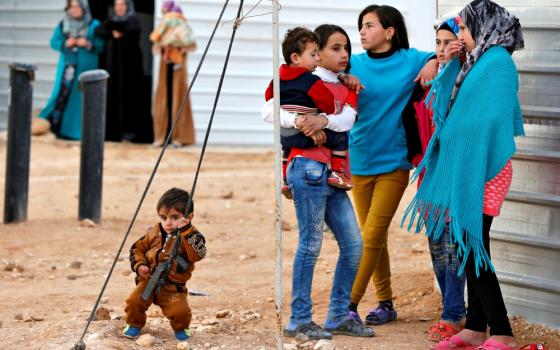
x,y
126,120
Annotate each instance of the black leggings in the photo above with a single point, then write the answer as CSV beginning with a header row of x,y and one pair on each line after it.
x,y
485,303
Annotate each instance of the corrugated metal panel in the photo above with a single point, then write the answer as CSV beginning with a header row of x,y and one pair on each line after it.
x,y
26,27
526,237
237,119
25,31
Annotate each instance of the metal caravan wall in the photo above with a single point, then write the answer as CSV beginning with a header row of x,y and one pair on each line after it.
x,y
25,31
237,119
525,239
26,27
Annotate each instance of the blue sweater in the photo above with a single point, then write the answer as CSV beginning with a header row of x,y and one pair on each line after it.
x,y
377,140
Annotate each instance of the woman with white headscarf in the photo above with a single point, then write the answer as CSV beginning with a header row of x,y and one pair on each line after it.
x,y
75,38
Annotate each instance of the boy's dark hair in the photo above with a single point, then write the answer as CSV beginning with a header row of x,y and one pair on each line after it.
x,y
324,32
389,17
177,199
295,41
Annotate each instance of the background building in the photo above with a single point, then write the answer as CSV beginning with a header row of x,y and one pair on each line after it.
x,y
26,27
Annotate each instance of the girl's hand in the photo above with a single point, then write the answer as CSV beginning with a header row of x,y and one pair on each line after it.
x,y
70,42
319,137
82,42
310,123
117,34
144,271
428,73
453,49
351,82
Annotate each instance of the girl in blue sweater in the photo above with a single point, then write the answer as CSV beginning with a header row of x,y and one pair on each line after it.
x,y
379,159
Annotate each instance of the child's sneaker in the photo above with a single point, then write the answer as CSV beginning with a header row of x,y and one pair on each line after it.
x,y
340,180
349,326
183,334
286,191
131,331
311,330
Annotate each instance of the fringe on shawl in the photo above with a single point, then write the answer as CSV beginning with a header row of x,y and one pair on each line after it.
x,y
433,218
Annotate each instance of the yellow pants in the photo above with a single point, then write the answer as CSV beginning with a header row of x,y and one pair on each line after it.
x,y
173,303
376,199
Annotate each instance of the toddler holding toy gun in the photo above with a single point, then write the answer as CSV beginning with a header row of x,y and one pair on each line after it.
x,y
163,259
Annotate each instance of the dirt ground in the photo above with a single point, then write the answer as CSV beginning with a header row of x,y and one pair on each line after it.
x,y
53,267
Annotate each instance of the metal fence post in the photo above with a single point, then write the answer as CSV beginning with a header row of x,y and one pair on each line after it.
x,y
94,86
19,142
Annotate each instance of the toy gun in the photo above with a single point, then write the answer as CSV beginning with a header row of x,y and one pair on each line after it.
x,y
162,270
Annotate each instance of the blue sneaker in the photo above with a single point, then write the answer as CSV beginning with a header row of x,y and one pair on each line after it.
x,y
183,334
349,326
131,331
311,330
382,314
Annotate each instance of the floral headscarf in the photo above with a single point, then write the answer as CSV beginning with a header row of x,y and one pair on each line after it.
x,y
77,27
490,25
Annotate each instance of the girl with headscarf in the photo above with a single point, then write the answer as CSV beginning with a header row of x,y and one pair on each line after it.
x,y
126,119
468,169
443,251
75,38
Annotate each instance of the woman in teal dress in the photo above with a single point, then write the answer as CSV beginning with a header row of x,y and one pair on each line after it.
x,y
79,49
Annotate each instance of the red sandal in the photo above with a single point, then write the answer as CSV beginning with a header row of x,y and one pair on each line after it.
x,y
441,330
533,347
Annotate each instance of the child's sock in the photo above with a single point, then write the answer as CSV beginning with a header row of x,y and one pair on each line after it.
x,y
387,304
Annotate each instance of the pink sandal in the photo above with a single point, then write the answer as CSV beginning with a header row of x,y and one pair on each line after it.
x,y
491,344
454,342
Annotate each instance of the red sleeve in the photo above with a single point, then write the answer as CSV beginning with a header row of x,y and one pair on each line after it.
x,y
269,92
352,99
323,97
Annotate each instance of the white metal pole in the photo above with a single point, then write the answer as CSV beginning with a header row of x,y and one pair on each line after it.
x,y
278,175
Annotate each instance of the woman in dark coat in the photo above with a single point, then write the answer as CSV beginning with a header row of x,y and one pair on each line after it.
x,y
126,120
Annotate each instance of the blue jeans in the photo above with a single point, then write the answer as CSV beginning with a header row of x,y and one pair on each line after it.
x,y
446,264
317,203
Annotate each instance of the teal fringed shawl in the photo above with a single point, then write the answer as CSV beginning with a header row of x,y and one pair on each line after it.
x,y
472,142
